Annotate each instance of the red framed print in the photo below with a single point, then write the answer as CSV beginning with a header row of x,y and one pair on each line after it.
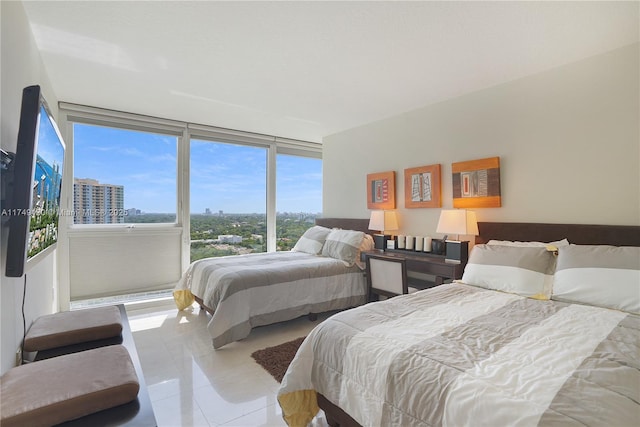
x,y
381,189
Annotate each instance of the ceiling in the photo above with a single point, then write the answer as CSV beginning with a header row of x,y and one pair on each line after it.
x,y
305,70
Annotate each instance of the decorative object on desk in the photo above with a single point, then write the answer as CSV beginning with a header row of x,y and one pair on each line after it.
x,y
459,222
401,240
422,187
476,183
391,244
382,221
438,246
419,242
426,245
381,188
409,243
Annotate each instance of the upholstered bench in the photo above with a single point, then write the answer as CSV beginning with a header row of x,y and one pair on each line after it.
x,y
64,388
73,327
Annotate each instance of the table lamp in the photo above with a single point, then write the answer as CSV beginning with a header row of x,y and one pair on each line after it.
x,y
458,222
382,221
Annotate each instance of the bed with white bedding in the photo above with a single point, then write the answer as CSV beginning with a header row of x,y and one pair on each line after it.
x,y
245,291
530,338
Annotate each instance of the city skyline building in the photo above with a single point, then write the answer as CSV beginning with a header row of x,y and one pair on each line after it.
x,y
96,203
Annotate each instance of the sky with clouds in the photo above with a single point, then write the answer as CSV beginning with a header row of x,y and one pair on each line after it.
x,y
226,177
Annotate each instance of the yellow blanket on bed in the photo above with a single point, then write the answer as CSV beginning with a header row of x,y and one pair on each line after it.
x,y
299,407
183,297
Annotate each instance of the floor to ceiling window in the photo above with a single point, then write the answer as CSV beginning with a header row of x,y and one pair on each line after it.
x,y
151,195
298,197
228,185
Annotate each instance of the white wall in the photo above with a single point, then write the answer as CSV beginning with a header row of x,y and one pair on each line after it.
x,y
568,142
21,67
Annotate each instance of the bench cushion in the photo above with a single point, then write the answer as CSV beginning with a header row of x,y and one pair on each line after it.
x,y
73,327
67,387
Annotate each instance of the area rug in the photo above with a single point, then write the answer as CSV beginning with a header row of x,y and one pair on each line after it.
x,y
276,360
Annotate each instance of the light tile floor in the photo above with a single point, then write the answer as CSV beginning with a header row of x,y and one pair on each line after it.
x,y
191,384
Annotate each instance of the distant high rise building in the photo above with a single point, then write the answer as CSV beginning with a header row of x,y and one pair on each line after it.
x,y
207,211
96,203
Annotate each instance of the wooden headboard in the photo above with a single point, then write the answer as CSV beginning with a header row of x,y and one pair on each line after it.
x,y
345,223
580,234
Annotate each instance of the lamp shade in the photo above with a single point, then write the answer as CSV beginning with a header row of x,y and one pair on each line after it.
x,y
383,220
457,221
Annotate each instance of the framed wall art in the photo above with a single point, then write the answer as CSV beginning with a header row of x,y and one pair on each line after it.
x,y
381,189
422,187
476,183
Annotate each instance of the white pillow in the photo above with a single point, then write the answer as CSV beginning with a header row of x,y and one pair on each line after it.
x,y
556,244
343,245
312,240
525,271
599,275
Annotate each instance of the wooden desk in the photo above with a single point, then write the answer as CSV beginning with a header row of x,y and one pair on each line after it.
x,y
426,263
137,413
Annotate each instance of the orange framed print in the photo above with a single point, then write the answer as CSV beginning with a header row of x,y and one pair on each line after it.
x,y
381,189
476,183
422,187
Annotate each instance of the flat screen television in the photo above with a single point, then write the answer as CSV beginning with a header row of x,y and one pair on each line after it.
x,y
35,180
